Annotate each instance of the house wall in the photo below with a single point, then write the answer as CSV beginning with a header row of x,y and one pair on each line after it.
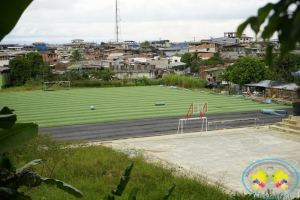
x,y
61,66
49,57
159,63
4,62
134,71
175,59
206,47
206,55
134,75
181,51
89,57
232,55
107,53
4,57
43,47
280,93
143,56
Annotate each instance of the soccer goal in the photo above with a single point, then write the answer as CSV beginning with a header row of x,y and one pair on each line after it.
x,y
200,108
56,85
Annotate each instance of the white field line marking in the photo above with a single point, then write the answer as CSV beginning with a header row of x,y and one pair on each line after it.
x,y
235,143
253,145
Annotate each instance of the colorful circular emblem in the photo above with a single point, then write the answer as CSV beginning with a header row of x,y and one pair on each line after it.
x,y
270,178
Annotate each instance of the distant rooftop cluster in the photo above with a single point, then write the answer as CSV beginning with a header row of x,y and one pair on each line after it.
x,y
151,58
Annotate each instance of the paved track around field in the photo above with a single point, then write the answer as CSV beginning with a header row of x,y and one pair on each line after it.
x,y
156,126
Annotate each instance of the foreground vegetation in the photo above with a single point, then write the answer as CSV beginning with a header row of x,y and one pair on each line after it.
x,y
96,170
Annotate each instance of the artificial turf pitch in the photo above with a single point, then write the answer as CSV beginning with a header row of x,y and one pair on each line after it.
x,y
69,107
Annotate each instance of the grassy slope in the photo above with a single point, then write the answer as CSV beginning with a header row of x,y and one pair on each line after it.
x,y
67,107
97,170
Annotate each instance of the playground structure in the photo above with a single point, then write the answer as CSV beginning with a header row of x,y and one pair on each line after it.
x,y
200,108
59,83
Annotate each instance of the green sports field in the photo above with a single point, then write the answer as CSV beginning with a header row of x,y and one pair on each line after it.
x,y
69,107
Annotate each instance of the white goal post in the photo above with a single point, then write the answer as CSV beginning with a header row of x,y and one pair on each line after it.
x,y
180,125
200,108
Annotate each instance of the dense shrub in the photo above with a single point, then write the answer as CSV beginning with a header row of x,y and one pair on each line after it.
x,y
130,83
183,81
170,79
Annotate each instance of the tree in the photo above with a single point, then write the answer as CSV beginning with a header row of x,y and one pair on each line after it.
x,y
104,74
145,44
195,66
282,20
214,61
36,63
195,56
76,56
46,72
20,70
246,70
187,59
281,70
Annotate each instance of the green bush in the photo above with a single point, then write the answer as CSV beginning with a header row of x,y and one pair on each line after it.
x,y
130,83
221,87
183,81
233,92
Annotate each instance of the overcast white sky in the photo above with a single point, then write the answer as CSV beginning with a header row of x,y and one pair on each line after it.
x,y
59,21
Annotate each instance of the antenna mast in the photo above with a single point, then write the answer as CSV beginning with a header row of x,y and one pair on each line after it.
x,y
118,27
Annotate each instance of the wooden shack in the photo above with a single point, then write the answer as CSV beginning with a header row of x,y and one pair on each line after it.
x,y
286,91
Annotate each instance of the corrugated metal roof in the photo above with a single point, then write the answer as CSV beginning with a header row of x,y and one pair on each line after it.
x,y
224,40
177,64
263,83
276,85
290,86
4,69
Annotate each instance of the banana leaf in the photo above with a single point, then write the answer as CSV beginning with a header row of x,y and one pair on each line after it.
x,y
132,195
5,174
167,195
28,178
5,161
13,194
123,182
34,162
12,10
107,197
7,118
17,135
63,186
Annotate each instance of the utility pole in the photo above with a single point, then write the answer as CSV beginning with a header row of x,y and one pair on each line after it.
x,y
117,31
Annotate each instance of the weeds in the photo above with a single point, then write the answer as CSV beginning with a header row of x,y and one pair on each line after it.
x,y
96,169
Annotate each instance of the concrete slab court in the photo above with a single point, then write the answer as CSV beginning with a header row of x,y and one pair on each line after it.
x,y
221,155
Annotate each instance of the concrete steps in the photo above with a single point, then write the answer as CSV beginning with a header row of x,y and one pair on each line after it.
x,y
290,125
